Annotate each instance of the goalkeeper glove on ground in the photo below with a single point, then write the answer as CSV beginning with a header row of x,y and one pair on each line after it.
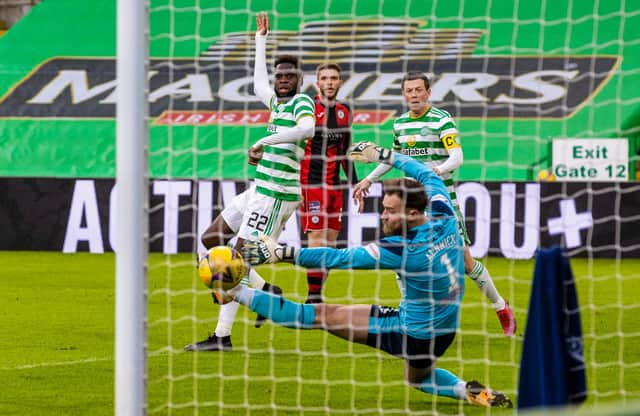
x,y
368,152
266,250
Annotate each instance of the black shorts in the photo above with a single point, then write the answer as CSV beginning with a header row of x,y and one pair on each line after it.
x,y
385,334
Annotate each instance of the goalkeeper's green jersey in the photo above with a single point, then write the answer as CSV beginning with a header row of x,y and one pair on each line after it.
x,y
428,139
278,172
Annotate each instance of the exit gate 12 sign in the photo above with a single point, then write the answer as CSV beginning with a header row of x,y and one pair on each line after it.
x,y
584,160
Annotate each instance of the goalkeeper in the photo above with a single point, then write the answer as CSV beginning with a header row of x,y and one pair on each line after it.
x,y
430,135
426,251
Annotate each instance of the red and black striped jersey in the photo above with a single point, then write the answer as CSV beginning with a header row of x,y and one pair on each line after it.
x,y
326,150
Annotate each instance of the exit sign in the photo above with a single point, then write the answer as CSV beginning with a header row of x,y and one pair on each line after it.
x,y
585,160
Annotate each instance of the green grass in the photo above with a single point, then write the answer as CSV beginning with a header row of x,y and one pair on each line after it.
x,y
56,346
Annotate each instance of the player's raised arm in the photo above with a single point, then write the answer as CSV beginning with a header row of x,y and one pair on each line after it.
x,y
260,76
283,98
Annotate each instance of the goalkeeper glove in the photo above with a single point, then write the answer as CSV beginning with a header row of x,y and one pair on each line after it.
x,y
368,152
266,250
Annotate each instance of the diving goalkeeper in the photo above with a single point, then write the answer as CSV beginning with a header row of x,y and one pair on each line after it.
x,y
425,251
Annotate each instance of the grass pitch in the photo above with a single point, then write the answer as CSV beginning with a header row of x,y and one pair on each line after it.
x,y
56,347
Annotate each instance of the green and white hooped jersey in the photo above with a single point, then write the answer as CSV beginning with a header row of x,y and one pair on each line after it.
x,y
278,172
428,138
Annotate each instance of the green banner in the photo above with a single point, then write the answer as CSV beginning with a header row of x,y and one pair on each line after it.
x,y
513,79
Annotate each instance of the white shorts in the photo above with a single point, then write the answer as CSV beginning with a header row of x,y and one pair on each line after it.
x,y
251,214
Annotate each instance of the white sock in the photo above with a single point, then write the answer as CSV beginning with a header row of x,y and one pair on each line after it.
x,y
225,319
255,280
480,275
460,390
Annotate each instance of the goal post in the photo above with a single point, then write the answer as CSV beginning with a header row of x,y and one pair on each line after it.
x,y
514,76
132,213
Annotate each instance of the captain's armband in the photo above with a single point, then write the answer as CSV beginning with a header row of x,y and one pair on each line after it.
x,y
451,141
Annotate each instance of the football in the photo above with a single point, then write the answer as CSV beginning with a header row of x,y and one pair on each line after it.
x,y
221,267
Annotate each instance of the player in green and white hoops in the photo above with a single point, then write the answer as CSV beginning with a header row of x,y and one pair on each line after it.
x,y
430,135
275,193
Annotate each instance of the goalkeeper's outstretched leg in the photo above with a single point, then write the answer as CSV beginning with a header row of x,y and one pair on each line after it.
x,y
353,323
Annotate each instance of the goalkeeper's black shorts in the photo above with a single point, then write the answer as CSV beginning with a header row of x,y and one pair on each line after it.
x,y
421,353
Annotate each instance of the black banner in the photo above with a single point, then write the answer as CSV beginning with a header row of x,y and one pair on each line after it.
x,y
502,87
503,219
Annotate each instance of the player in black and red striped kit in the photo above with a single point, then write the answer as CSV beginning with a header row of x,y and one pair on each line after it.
x,y
325,155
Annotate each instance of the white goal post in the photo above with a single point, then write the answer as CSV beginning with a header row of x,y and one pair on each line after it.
x,y
132,231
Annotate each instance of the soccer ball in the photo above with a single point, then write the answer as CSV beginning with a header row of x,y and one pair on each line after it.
x,y
221,267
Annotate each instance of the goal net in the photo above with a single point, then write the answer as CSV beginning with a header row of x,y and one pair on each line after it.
x,y
521,80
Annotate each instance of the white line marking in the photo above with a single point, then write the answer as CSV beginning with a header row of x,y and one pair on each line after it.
x,y
154,354
56,364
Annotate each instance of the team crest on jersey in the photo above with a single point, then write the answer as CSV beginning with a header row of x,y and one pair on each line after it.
x,y
340,114
411,140
314,206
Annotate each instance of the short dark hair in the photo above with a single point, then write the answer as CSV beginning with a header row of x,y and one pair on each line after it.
x,y
329,65
410,192
287,59
413,75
